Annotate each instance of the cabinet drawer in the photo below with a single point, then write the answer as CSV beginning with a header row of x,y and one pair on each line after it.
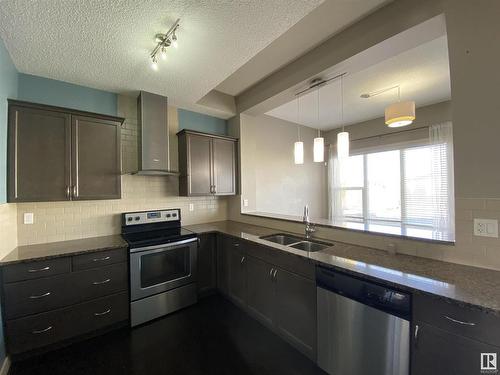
x,y
95,260
293,263
47,328
36,296
35,270
231,243
456,319
102,281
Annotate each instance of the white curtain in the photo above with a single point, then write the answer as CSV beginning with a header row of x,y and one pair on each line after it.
x,y
334,197
441,139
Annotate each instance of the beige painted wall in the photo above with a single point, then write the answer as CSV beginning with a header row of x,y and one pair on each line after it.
x,y
280,186
472,28
57,221
8,228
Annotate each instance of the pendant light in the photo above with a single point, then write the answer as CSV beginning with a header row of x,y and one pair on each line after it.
x,y
319,142
343,136
400,113
298,147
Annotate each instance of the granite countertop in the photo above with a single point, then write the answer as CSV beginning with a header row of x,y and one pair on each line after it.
x,y
471,286
43,251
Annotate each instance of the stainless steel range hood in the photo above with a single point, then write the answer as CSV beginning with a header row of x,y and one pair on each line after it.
x,y
153,135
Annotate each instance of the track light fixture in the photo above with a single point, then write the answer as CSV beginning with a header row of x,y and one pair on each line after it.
x,y
163,41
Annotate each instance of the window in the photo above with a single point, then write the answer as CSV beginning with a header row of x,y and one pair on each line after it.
x,y
404,188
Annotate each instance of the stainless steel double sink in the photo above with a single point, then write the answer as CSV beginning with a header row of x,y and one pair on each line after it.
x,y
296,242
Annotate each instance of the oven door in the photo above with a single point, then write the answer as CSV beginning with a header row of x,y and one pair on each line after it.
x,y
156,269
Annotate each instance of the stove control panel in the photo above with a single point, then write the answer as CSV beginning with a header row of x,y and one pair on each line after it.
x,y
148,217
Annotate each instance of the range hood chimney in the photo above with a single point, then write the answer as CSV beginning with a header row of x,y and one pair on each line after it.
x,y
153,135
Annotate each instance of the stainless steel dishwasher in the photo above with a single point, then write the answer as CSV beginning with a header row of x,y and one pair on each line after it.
x,y
363,328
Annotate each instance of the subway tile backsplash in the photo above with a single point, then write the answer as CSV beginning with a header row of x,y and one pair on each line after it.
x,y
60,221
8,227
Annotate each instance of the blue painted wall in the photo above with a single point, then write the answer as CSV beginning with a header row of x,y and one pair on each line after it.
x,y
49,91
8,89
200,122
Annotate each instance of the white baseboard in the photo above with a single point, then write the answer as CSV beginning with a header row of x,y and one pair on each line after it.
x,y
5,366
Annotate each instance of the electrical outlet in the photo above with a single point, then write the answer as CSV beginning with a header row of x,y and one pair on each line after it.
x,y
191,207
486,228
28,218
245,202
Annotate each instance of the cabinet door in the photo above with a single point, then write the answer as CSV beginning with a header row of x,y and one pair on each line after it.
x,y
39,155
199,165
224,166
238,276
260,290
436,351
296,311
96,164
223,264
206,273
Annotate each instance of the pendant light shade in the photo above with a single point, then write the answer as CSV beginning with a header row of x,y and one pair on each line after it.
x,y
343,136
400,114
343,145
298,152
319,149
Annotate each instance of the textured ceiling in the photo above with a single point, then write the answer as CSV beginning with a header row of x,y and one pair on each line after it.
x,y
105,44
328,19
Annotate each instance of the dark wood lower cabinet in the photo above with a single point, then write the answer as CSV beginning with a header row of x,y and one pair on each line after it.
x,y
49,302
279,298
207,264
439,352
51,327
238,276
296,310
261,292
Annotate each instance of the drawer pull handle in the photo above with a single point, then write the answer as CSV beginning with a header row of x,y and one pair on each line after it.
x,y
459,321
101,282
101,259
40,269
242,260
236,244
40,296
102,313
37,332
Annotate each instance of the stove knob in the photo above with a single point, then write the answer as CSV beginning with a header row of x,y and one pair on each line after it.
x,y
129,218
174,215
137,218
168,215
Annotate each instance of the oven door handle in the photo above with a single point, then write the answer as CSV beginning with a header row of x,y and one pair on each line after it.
x,y
163,247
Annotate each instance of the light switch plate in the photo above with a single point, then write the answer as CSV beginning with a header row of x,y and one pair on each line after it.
x,y
245,202
28,218
191,207
486,227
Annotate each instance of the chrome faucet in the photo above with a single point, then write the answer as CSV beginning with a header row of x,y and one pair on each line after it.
x,y
310,227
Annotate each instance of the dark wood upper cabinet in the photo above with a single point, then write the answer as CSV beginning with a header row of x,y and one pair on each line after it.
x,y
207,164
95,169
39,155
57,154
224,166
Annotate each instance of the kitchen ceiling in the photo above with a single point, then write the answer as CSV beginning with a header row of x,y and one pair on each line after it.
x,y
327,19
422,73
105,44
